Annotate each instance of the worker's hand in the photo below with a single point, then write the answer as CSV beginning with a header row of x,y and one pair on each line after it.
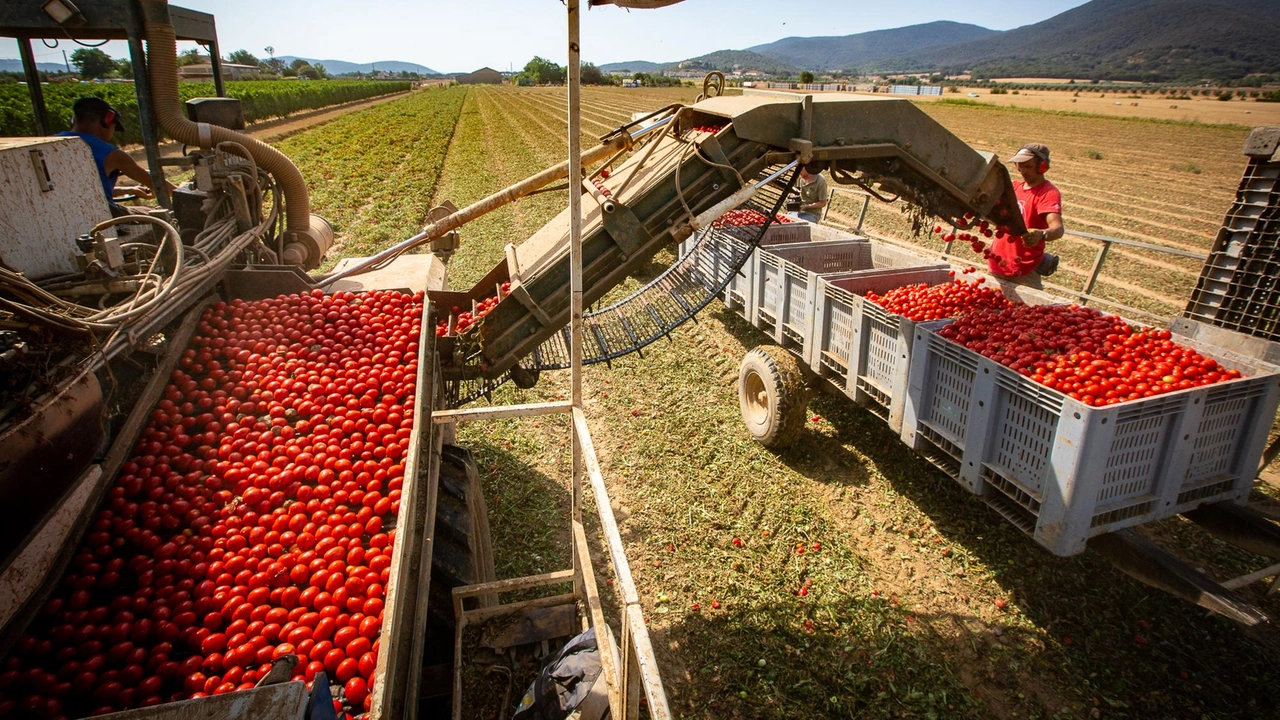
x,y
1033,238
143,191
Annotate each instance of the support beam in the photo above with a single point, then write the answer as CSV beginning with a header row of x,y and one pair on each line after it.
x,y
500,411
32,72
215,64
1152,565
147,124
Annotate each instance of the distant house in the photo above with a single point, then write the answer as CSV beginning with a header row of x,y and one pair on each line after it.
x,y
204,71
483,76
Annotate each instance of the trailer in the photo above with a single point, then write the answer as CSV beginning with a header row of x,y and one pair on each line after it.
x,y
1070,475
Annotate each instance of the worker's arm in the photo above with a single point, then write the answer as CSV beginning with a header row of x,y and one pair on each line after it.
x,y
822,202
120,160
1055,230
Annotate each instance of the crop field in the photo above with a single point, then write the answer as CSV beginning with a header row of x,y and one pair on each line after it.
x,y
260,100
863,583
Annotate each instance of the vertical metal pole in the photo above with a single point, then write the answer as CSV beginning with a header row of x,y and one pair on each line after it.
x,y
866,202
575,254
43,127
146,112
1096,271
215,64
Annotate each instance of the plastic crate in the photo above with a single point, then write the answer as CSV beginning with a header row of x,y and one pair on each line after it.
x,y
715,251
1063,471
784,284
860,347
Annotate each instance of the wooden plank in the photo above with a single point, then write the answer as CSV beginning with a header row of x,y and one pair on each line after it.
x,y
511,584
608,525
648,664
604,638
486,613
500,411
396,678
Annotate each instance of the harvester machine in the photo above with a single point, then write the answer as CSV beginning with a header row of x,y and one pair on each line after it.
x,y
106,323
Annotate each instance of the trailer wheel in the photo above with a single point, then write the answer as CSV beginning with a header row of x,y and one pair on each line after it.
x,y
773,396
461,553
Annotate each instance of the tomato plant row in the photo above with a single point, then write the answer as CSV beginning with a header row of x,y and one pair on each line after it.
x,y
373,173
255,518
260,99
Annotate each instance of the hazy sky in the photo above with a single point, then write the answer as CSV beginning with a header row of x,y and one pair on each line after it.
x,y
463,35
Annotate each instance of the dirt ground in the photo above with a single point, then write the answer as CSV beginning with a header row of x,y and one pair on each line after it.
x,y
1198,109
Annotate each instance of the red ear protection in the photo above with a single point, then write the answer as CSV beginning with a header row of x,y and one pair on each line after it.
x,y
1043,167
109,118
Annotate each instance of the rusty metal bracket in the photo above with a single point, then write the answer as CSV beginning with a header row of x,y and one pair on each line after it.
x,y
625,229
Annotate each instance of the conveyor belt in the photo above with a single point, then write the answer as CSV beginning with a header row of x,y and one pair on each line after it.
x,y
652,312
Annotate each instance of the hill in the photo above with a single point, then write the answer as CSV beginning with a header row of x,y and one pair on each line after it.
x,y
850,52
342,67
15,65
728,60
630,66
1154,40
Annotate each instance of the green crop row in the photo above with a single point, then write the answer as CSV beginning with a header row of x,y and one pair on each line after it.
x,y
373,173
261,99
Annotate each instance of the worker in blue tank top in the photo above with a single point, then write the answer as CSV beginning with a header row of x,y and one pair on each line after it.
x,y
95,122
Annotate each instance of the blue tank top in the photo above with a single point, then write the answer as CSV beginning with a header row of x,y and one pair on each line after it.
x,y
100,149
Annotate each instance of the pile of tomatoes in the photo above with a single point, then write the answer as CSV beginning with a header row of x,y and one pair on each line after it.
x,y
710,128
923,302
254,520
467,319
746,217
1092,357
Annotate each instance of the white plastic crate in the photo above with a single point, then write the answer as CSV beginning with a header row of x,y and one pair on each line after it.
x,y
1063,471
716,249
784,284
860,347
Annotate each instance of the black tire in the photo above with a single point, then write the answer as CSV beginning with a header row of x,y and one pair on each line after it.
x,y
461,553
772,395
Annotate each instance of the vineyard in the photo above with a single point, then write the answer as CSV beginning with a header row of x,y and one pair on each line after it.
x,y
260,99
845,577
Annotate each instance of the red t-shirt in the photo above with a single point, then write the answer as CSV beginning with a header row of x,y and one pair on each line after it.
x,y
1009,257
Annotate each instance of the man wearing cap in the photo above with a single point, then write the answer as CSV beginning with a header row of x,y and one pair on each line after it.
x,y
813,193
1023,259
95,122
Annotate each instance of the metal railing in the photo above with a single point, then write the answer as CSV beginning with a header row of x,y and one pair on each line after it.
x,y
1085,294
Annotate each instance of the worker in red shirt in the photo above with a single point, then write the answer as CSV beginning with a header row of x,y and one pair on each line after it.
x,y
1023,259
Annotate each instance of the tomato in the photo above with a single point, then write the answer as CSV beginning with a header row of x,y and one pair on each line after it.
x,y
235,532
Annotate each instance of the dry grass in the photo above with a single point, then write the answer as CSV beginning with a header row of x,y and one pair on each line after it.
x,y
900,618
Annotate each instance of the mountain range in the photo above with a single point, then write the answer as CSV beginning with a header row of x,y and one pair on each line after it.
x,y
15,65
342,67
1154,40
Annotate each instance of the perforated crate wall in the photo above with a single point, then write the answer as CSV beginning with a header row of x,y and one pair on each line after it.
x,y
1064,471
785,284
860,347
716,248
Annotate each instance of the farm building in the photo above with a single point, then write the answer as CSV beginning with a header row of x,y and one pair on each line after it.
x,y
483,76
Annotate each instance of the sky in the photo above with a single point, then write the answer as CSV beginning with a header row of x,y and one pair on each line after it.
x,y
463,35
